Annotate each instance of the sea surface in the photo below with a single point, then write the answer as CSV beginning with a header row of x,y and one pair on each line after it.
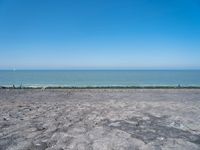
x,y
95,78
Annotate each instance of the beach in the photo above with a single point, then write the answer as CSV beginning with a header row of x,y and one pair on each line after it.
x,y
99,119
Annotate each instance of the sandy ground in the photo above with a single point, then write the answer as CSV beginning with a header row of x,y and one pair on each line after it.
x,y
99,119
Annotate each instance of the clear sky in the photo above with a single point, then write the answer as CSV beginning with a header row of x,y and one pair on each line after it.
x,y
100,34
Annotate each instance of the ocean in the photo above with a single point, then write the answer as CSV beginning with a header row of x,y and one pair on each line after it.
x,y
99,78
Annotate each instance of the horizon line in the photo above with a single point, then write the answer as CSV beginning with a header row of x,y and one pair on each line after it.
x,y
98,69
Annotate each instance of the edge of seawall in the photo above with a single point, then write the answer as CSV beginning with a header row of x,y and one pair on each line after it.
x,y
100,87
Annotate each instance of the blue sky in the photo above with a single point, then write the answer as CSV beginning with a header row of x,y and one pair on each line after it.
x,y
100,34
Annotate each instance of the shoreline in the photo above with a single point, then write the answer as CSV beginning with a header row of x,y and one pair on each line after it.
x,y
99,87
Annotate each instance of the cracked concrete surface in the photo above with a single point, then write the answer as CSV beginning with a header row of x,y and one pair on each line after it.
x,y
100,119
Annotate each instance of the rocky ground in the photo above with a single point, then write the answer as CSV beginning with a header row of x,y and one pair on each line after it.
x,y
100,119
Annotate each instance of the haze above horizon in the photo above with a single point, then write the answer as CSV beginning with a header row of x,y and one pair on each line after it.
x,y
99,34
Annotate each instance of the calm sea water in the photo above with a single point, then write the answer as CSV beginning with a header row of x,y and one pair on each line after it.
x,y
101,78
